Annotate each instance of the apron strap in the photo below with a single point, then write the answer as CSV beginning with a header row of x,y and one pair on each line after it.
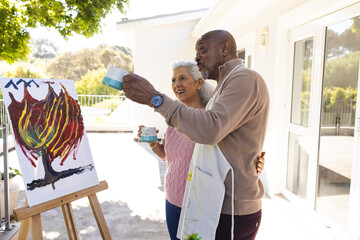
x,y
232,203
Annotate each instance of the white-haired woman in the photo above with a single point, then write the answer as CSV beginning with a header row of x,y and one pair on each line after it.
x,y
175,148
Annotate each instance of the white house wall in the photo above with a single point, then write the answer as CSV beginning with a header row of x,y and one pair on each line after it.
x,y
242,18
157,47
274,64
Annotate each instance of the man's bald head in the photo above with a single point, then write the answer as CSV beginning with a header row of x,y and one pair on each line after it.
x,y
220,37
213,49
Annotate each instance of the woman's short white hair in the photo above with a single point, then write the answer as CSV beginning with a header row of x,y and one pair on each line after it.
x,y
207,91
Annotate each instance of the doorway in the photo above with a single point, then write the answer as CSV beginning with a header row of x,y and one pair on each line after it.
x,y
323,140
338,109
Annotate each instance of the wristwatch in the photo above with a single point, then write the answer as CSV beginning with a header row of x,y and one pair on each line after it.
x,y
156,100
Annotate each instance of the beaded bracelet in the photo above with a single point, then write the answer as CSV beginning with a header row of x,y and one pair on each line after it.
x,y
156,142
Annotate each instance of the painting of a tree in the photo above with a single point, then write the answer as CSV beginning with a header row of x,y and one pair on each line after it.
x,y
48,128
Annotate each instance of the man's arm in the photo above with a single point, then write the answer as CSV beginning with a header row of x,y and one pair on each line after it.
x,y
138,89
237,103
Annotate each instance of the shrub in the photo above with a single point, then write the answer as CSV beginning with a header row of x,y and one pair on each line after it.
x,y
91,84
111,103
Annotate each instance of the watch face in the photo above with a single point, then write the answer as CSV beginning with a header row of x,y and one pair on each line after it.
x,y
156,100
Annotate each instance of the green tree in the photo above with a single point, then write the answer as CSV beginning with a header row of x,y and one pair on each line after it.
x,y
91,84
66,16
356,25
14,39
61,67
75,65
342,71
334,95
21,70
85,60
106,56
43,48
340,44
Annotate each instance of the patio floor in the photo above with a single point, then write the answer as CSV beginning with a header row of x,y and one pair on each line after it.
x,y
134,203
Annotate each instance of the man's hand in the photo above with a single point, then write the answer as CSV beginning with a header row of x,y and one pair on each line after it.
x,y
138,89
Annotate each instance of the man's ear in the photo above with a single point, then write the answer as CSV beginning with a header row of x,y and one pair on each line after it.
x,y
200,84
225,48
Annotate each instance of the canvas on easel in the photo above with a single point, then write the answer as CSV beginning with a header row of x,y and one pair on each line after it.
x,y
49,136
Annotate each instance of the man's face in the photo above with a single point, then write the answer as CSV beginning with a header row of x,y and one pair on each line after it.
x,y
207,58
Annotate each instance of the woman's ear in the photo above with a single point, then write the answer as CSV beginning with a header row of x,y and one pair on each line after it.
x,y
200,84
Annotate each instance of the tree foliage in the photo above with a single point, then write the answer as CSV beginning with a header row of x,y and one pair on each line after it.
x,y
43,48
75,65
356,25
91,84
339,96
21,70
66,16
14,39
340,44
342,56
342,71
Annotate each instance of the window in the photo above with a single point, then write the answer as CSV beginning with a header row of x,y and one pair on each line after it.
x,y
297,167
302,71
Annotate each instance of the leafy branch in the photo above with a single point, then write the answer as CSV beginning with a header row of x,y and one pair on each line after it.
x,y
12,173
66,16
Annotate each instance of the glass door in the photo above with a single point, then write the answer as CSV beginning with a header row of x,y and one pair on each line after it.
x,y
338,111
298,146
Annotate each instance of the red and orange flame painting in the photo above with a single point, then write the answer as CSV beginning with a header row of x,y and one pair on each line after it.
x,y
50,128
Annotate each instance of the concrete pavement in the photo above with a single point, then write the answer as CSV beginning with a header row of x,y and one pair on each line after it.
x,y
133,205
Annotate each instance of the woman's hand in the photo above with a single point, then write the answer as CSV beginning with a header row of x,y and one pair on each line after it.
x,y
155,146
139,132
260,163
151,144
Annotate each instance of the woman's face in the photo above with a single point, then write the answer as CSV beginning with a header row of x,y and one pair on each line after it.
x,y
185,87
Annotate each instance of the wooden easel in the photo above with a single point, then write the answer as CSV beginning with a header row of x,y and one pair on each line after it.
x,y
31,215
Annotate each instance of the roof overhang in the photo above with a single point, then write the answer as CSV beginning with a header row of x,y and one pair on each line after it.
x,y
161,19
227,14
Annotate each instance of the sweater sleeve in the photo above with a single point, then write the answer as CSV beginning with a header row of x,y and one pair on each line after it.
x,y
235,105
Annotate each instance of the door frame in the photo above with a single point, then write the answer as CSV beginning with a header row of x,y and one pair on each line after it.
x,y
248,43
310,131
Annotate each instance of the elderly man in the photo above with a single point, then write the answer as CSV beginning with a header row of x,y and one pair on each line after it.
x,y
236,122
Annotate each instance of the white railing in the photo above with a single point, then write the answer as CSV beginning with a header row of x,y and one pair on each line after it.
x,y
94,108
5,220
3,115
110,102
341,111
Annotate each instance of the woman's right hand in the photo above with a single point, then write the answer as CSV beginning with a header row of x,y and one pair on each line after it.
x,y
155,146
139,132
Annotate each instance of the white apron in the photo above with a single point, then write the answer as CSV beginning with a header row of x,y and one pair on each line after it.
x,y
205,190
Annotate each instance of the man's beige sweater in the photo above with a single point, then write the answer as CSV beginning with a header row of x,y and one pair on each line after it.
x,y
237,123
